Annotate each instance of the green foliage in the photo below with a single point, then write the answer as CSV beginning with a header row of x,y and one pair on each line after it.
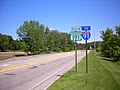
x,y
97,45
4,42
98,49
117,29
39,39
7,43
111,43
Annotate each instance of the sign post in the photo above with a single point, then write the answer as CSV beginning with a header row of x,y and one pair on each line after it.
x,y
86,58
76,35
76,56
86,35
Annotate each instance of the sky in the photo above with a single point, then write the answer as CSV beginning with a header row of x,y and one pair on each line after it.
x,y
60,15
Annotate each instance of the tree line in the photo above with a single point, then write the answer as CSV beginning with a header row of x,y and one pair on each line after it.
x,y
7,43
111,43
38,38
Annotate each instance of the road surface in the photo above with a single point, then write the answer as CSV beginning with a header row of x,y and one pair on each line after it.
x,y
35,72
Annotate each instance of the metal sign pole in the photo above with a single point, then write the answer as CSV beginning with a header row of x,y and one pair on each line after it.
x,y
75,55
86,59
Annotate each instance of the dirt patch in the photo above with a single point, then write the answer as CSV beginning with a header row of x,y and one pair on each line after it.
x,y
11,53
7,55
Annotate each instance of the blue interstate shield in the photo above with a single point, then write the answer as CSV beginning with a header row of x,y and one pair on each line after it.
x,y
86,35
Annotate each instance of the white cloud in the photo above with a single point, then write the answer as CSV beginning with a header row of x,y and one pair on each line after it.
x,y
52,28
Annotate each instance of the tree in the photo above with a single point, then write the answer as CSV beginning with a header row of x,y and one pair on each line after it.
x,y
39,39
117,29
5,42
32,34
107,37
111,43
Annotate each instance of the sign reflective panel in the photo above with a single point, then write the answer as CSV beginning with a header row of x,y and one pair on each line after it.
x,y
76,35
84,28
86,35
75,28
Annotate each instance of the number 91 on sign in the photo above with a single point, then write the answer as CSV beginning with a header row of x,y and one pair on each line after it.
x,y
86,35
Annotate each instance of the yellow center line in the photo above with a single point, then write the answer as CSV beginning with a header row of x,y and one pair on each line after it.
x,y
32,63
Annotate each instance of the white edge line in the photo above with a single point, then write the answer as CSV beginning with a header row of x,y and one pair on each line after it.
x,y
47,78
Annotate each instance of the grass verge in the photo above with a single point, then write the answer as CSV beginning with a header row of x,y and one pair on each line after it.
x,y
102,75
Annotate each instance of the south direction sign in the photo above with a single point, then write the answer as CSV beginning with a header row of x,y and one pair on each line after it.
x,y
86,35
75,28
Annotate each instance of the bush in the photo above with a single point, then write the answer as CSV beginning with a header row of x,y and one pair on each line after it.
x,y
98,49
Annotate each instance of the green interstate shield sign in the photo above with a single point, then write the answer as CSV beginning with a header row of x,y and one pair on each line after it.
x,y
76,35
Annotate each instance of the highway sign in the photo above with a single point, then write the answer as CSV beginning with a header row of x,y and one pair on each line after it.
x,y
75,28
86,35
76,32
85,28
76,35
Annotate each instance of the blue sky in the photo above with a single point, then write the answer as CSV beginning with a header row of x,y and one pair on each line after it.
x,y
60,14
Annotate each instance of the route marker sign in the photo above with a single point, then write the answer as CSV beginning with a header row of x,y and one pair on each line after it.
x,y
86,32
76,35
86,35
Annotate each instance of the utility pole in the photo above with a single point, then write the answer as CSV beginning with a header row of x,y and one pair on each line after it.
x,y
94,44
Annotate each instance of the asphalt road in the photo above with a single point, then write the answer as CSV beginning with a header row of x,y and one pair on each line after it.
x,y
35,72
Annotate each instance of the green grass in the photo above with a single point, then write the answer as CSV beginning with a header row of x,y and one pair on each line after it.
x,y
103,75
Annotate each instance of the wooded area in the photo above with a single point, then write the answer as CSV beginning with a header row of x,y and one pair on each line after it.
x,y
111,43
7,43
38,38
